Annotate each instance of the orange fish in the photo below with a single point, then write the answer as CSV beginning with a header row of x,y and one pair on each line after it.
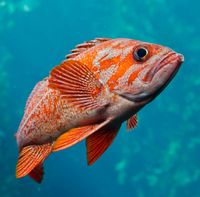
x,y
101,84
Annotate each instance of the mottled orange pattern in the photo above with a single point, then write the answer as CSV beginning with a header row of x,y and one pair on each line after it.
x,y
101,84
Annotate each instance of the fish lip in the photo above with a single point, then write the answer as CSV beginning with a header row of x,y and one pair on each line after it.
x,y
169,58
172,58
176,59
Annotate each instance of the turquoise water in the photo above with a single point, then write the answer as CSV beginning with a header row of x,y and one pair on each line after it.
x,y
161,157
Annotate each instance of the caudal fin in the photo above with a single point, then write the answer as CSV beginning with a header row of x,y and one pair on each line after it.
x,y
30,159
37,173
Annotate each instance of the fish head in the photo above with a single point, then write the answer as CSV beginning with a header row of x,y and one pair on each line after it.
x,y
151,68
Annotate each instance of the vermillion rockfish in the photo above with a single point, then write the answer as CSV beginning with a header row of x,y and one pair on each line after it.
x,y
101,84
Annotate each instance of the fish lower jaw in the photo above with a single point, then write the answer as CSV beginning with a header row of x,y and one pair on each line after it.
x,y
160,81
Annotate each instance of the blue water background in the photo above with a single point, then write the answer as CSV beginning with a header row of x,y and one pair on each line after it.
x,y
160,158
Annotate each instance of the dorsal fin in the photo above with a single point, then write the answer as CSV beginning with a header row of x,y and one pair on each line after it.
x,y
84,46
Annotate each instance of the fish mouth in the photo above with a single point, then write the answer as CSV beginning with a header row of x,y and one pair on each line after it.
x,y
169,58
160,76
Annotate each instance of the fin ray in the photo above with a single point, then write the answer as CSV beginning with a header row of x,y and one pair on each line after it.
x,y
86,45
98,142
30,157
75,82
131,122
75,135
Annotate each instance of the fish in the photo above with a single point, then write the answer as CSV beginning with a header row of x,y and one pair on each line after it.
x,y
100,85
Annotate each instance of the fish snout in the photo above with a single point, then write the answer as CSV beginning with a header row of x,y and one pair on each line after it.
x,y
159,76
171,61
180,58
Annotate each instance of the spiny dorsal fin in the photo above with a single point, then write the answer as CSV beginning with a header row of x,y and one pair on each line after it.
x,y
86,45
98,142
131,122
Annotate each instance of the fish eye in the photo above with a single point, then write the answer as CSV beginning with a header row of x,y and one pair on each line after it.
x,y
140,54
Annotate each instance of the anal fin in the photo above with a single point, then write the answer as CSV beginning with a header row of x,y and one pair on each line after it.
x,y
98,142
71,137
75,135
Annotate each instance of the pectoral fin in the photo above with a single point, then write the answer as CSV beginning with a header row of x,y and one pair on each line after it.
x,y
30,157
98,142
77,84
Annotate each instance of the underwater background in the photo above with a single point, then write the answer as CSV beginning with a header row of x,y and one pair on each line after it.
x,y
160,158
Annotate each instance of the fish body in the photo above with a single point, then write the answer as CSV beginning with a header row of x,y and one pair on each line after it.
x,y
47,116
101,84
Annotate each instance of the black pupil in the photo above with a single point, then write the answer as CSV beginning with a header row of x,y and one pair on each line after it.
x,y
141,52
